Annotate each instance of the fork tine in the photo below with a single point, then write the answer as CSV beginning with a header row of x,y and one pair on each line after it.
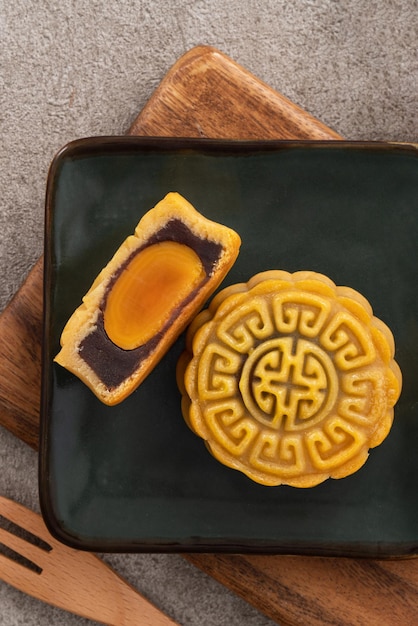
x,y
22,578
17,575
25,518
31,552
72,580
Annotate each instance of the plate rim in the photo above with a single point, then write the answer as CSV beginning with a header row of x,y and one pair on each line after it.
x,y
86,146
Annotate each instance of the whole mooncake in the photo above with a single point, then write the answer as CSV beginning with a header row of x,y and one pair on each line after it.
x,y
289,378
145,296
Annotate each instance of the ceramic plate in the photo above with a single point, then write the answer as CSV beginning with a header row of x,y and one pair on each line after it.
x,y
134,477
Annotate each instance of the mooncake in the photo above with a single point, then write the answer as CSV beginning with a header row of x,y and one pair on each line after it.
x,y
289,378
143,299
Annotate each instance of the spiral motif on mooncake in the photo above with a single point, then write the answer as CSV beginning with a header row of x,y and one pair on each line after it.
x,y
289,378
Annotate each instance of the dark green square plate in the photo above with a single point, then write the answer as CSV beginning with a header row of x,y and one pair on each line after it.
x,y
134,477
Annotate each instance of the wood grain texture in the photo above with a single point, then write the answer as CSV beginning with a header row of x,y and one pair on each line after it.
x,y
206,94
20,359
73,580
319,591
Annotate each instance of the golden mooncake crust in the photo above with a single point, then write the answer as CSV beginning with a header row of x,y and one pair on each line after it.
x,y
289,378
109,369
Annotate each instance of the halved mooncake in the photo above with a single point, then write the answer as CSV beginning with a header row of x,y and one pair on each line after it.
x,y
289,378
143,299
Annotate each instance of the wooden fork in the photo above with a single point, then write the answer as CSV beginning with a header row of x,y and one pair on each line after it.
x,y
76,581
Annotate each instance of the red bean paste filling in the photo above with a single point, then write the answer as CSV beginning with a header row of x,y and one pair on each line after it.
x,y
112,364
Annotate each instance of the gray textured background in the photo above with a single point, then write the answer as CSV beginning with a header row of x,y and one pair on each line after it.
x,y
77,67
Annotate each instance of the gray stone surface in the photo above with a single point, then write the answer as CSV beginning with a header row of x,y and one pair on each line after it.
x,y
83,67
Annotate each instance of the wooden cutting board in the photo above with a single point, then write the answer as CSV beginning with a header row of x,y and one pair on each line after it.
x,y
206,94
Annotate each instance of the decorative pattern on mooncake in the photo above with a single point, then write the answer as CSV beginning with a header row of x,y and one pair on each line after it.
x,y
289,378
145,296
